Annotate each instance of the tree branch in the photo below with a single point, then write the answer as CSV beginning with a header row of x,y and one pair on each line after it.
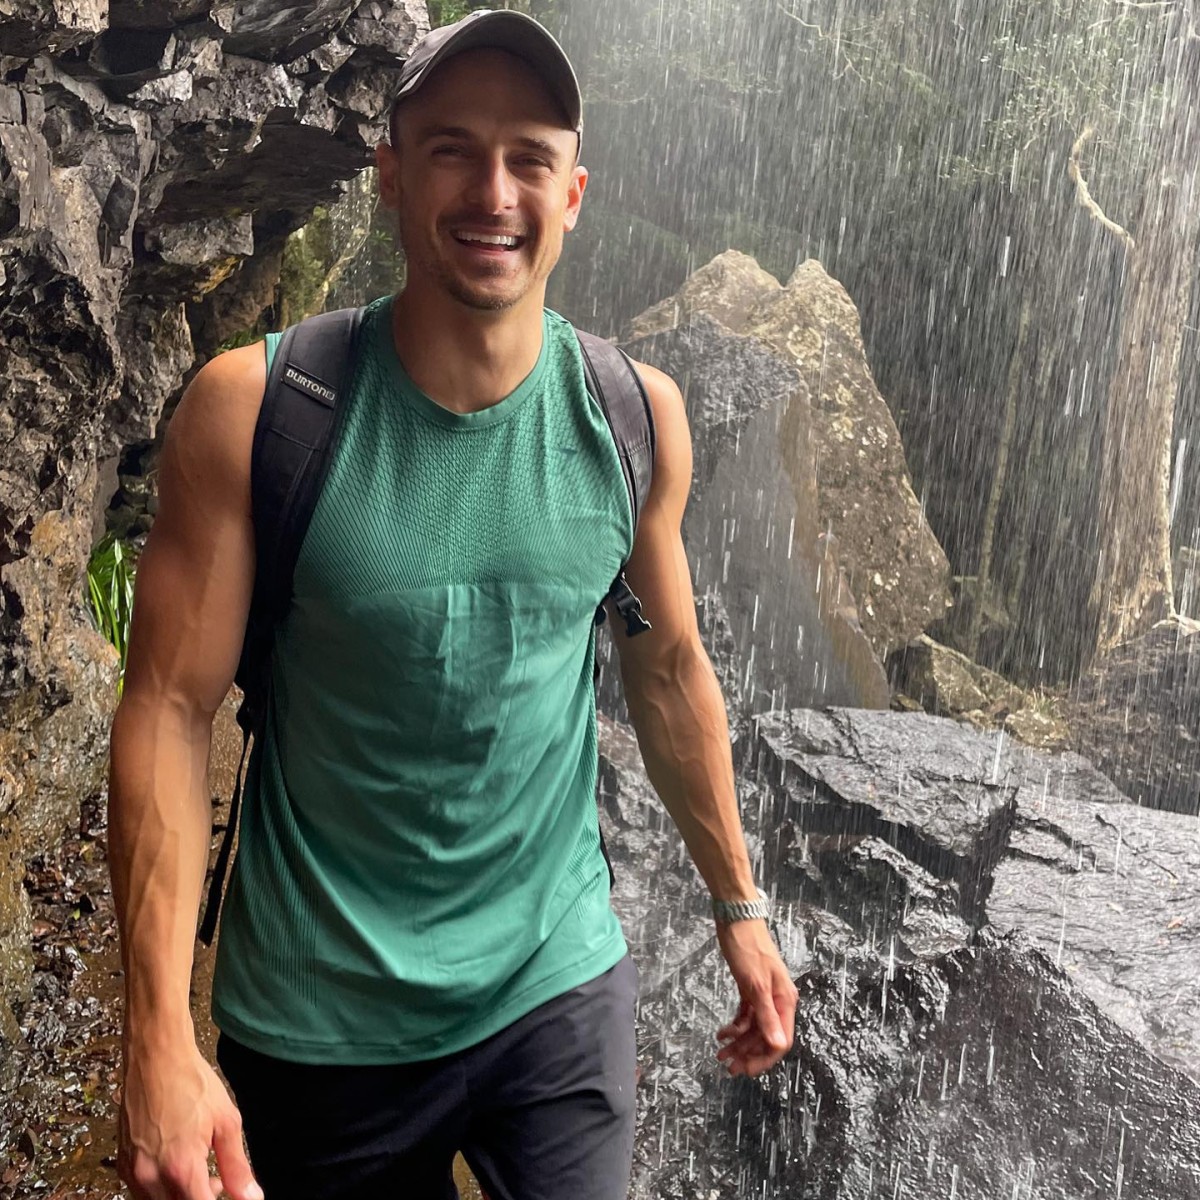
x,y
1083,196
838,41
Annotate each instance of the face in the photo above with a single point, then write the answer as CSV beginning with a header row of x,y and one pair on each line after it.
x,y
483,180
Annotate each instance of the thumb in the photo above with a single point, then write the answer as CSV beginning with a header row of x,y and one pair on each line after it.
x,y
769,1024
236,1176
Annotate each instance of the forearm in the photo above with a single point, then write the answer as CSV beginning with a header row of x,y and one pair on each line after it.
x,y
160,821
679,717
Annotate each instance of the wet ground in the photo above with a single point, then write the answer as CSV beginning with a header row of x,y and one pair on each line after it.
x,y
58,1130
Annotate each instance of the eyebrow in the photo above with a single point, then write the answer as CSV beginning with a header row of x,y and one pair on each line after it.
x,y
461,133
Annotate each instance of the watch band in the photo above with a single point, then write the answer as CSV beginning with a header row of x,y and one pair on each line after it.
x,y
727,911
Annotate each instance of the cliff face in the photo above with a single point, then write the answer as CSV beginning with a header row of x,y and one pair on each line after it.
x,y
154,155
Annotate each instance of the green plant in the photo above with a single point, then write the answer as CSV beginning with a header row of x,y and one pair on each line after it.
x,y
110,575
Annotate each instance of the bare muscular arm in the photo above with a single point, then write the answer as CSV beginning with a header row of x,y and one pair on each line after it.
x,y
678,713
192,596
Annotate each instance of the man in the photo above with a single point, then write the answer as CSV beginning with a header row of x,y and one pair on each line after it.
x,y
418,955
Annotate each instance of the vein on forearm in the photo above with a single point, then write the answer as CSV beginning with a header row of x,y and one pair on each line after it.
x,y
679,717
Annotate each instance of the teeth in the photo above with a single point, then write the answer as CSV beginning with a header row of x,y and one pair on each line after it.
x,y
488,239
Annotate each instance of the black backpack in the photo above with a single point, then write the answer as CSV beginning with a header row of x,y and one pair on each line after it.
x,y
294,442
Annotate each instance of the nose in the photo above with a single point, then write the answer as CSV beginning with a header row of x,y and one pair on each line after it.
x,y
493,186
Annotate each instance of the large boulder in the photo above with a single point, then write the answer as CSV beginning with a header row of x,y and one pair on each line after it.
x,y
750,528
1111,892
836,438
152,156
1032,842
932,1058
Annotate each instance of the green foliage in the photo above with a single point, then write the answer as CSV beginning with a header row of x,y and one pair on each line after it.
x,y
110,573
244,337
304,271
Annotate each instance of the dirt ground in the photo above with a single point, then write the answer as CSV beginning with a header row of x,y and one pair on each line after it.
x,y
58,1132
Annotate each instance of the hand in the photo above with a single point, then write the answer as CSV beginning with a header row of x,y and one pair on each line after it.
x,y
174,1110
761,1033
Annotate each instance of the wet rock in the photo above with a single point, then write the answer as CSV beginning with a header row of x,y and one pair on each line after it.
x,y
1137,717
929,1060
1036,842
728,290
940,794
32,27
750,530
948,683
837,442
896,570
943,681
1111,892
1039,725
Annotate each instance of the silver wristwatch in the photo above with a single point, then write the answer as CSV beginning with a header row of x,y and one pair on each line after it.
x,y
727,911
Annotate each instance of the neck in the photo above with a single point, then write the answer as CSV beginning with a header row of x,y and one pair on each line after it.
x,y
466,359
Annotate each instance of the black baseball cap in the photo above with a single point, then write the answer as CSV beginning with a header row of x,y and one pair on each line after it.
x,y
499,29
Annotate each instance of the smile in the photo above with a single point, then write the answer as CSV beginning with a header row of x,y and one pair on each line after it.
x,y
499,241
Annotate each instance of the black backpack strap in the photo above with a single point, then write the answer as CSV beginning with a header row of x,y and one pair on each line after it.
x,y
616,386
294,441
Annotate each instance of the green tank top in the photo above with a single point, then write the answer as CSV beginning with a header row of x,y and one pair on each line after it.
x,y
419,861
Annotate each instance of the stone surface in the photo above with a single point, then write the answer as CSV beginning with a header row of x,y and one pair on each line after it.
x,y
896,570
930,1060
1040,843
844,450
1136,714
940,680
53,745
948,683
1111,892
728,289
153,153
945,801
750,531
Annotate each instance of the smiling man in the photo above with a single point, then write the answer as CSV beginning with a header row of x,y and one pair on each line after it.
x,y
418,953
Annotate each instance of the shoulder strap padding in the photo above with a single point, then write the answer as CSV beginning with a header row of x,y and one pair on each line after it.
x,y
293,443
617,387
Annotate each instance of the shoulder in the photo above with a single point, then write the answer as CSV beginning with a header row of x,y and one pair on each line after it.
x,y
666,400
211,434
667,406
672,438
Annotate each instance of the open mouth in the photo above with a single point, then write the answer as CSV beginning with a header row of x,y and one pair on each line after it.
x,y
496,243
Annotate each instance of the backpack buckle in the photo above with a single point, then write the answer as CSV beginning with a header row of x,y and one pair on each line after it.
x,y
628,606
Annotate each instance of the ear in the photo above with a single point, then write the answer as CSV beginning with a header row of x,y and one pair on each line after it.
x,y
388,162
575,190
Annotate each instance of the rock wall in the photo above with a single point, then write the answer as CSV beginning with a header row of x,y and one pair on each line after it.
x,y
154,156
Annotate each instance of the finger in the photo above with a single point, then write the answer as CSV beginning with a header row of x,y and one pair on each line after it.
x,y
182,1178
785,1006
739,1025
141,1173
232,1164
751,1056
758,1064
214,1182
767,1019
750,1043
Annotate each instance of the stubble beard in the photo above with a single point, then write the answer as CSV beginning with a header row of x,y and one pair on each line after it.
x,y
435,267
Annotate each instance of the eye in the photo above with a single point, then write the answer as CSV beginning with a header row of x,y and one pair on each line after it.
x,y
447,150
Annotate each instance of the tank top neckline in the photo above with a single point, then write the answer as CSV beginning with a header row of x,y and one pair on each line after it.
x,y
428,408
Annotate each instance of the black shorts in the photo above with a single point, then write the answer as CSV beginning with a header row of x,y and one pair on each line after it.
x,y
542,1110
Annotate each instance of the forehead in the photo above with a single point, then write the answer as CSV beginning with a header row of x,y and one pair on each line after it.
x,y
483,87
